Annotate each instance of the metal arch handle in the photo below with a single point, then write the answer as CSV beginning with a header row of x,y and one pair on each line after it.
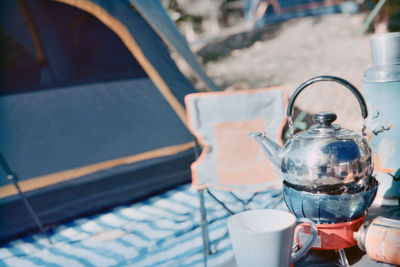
x,y
348,85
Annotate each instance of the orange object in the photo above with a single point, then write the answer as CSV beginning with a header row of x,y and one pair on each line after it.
x,y
382,241
331,236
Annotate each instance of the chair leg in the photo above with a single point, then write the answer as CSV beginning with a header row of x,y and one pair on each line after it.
x,y
214,248
204,228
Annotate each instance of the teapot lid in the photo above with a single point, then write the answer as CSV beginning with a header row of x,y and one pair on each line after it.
x,y
324,127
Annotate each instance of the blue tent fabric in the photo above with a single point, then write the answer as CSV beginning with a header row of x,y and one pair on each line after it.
x,y
271,17
88,127
76,50
93,193
71,127
294,3
155,14
289,9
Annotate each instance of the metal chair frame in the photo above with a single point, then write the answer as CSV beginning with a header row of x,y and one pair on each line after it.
x,y
207,249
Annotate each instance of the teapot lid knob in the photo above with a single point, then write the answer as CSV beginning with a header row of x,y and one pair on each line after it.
x,y
325,118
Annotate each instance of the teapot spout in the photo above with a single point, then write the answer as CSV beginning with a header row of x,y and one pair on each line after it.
x,y
270,148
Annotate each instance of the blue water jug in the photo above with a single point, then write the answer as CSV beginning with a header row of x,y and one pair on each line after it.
x,y
381,84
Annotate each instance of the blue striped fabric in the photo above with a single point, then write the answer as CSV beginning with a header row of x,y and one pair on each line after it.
x,y
161,231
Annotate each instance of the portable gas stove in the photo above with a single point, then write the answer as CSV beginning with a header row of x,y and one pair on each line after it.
x,y
337,217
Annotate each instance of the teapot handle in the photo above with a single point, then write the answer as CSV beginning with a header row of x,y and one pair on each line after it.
x,y
341,81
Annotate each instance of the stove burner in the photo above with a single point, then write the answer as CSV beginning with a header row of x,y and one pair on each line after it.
x,y
336,189
328,208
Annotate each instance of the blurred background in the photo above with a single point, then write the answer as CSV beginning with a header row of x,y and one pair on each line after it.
x,y
246,44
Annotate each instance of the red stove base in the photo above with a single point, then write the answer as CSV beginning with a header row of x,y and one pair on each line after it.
x,y
330,236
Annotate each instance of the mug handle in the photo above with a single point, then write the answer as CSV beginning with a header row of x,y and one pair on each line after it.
x,y
308,244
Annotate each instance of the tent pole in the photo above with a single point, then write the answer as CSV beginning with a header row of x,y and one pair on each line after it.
x,y
13,176
32,29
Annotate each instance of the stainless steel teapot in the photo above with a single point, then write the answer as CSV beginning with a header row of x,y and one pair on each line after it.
x,y
325,157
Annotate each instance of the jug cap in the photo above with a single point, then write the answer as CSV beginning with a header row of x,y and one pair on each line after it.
x,y
385,52
385,48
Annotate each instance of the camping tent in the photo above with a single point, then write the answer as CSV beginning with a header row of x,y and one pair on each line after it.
x,y
91,107
262,12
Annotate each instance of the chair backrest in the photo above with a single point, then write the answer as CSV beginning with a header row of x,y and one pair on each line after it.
x,y
221,121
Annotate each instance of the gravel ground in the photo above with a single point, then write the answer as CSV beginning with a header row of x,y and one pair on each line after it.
x,y
289,53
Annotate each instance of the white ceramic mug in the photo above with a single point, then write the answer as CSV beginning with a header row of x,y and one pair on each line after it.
x,y
265,237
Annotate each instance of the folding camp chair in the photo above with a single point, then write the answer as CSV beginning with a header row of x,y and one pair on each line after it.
x,y
231,160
